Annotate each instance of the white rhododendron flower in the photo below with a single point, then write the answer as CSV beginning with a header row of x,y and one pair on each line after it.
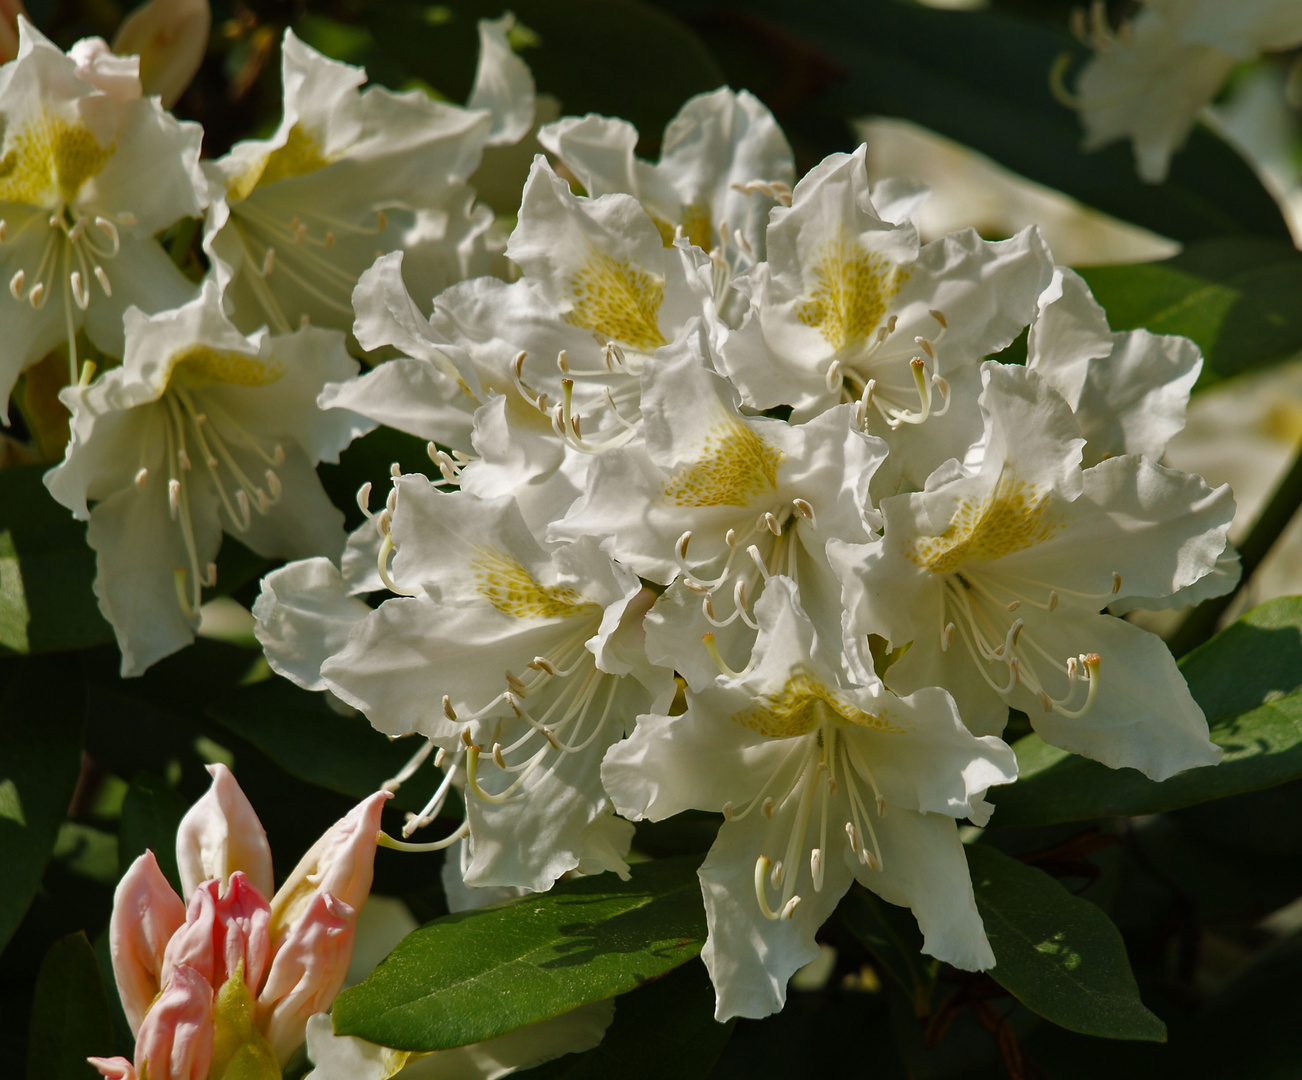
x,y
850,307
715,502
296,218
540,376
724,164
200,430
1149,79
90,171
1128,390
997,577
820,781
525,660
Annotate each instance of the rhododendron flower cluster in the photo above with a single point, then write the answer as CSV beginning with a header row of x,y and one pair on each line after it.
x,y
735,504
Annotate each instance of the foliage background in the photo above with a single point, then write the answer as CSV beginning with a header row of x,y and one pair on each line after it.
x,y
93,768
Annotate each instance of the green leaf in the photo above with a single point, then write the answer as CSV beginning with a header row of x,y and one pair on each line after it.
x,y
663,1029
891,934
70,1014
41,727
982,78
151,814
1236,297
478,974
1060,956
1248,681
297,730
46,570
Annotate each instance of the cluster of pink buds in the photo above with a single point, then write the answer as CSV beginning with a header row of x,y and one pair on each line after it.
x,y
224,987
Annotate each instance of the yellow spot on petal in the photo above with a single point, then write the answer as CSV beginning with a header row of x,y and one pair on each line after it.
x,y
803,705
618,301
1013,517
48,160
696,223
851,290
301,154
202,365
736,468
510,588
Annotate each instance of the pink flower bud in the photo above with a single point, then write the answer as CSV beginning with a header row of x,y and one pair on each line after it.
x,y
114,1068
341,863
223,931
309,968
175,1039
221,834
146,913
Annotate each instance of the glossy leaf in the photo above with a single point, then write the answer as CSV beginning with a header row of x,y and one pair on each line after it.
x,y
70,1014
1247,679
477,974
1237,298
982,78
1060,956
665,1028
42,705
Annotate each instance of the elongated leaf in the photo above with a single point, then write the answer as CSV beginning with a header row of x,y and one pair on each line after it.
x,y
1237,298
1247,679
41,727
982,78
891,934
46,570
1060,956
307,738
477,974
665,1028
70,1014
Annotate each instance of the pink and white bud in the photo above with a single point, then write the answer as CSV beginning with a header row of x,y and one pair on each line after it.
x,y
341,863
221,834
146,914
175,1040
114,1068
222,931
170,37
310,966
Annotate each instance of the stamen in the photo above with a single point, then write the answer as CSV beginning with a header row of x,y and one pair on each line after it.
x,y
761,892
268,261
103,280
142,477
16,284
816,868
772,523
449,711
805,511
383,839
713,649
173,497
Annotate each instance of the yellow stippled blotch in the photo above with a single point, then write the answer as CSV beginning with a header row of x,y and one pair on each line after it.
x,y
300,155
617,300
803,705
48,161
510,588
851,290
202,365
736,468
1013,517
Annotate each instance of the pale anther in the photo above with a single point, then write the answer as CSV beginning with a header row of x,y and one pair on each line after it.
x,y
497,755
450,712
103,280
142,477
268,261
16,284
1116,583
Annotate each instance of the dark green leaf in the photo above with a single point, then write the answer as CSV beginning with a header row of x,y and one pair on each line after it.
x,y
478,974
151,813
41,726
1247,679
1060,956
46,570
891,934
982,78
1236,297
663,1029
70,1015
307,738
